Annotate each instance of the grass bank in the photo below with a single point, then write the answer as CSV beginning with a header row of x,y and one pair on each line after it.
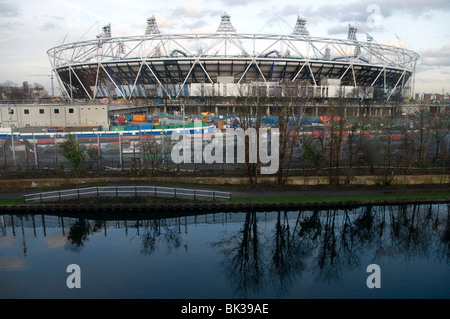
x,y
272,200
11,201
338,198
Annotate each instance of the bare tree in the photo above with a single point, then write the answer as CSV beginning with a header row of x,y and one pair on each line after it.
x,y
422,130
335,124
290,111
249,111
153,151
440,127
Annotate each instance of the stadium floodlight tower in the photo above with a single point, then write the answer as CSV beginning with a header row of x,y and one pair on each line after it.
x,y
225,24
152,26
352,37
300,28
156,64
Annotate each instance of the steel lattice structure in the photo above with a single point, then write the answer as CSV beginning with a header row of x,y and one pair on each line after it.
x,y
172,65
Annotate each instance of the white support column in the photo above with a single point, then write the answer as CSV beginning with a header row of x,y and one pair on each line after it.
x,y
346,70
162,87
382,70
185,79
295,77
312,75
354,77
135,81
245,72
203,68
96,80
109,76
395,87
70,81
61,84
81,83
260,72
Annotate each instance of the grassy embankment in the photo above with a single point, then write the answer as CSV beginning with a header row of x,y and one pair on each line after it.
x,y
11,201
339,198
306,199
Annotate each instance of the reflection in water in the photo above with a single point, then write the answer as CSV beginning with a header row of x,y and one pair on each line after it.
x,y
78,234
330,243
152,236
273,251
242,250
287,253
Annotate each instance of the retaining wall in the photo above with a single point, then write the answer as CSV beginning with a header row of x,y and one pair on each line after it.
x,y
26,184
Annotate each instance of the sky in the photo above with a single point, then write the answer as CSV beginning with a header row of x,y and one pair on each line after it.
x,y
29,28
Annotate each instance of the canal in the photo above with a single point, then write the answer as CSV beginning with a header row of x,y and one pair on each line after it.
x,y
306,254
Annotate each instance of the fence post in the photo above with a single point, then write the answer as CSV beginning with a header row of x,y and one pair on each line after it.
x,y
135,191
214,195
97,191
117,194
175,192
59,195
194,194
78,191
40,195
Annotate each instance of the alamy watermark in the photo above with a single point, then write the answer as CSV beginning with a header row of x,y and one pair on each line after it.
x,y
261,146
74,279
375,17
374,279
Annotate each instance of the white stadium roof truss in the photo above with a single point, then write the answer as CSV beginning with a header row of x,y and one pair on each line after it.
x,y
165,59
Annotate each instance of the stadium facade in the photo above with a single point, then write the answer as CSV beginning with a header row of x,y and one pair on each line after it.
x,y
230,64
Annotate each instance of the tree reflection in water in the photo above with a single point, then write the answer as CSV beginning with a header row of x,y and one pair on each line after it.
x,y
155,234
291,248
328,244
152,233
78,234
287,253
242,251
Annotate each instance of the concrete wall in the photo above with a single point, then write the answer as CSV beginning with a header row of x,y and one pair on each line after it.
x,y
29,184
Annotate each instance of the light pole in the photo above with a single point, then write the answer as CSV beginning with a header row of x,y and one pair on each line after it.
x,y
12,136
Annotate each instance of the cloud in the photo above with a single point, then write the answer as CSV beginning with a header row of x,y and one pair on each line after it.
x,y
362,11
56,17
436,57
197,24
11,25
412,7
48,26
8,10
194,12
236,3
187,11
338,29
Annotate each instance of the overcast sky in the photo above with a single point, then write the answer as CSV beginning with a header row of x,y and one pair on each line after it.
x,y
28,28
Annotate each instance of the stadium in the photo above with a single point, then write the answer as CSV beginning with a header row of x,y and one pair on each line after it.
x,y
229,64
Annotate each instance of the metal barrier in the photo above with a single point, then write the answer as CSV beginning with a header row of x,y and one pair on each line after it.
x,y
116,191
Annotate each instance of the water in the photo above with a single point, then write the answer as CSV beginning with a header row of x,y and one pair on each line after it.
x,y
267,255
